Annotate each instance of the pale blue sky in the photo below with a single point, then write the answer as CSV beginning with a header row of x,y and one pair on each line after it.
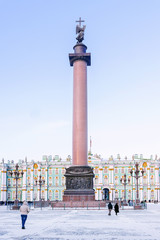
x,y
36,79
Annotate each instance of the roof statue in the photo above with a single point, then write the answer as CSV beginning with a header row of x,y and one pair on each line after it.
x,y
80,31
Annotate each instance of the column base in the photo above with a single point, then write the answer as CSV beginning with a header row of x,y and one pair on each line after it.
x,y
79,184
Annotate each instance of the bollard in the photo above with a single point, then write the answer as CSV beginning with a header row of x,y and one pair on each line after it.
x,y
64,206
87,206
99,206
52,206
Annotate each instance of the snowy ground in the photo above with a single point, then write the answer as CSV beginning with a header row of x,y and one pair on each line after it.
x,y
82,224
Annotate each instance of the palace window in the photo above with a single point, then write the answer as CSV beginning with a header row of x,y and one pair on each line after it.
x,y
116,170
122,170
116,194
56,195
63,171
28,181
105,170
50,181
96,170
29,171
63,181
9,182
152,180
56,171
50,195
14,182
9,195
144,195
50,171
56,181
43,171
152,170
28,196
35,171
106,180
116,180
129,195
35,196
152,195
145,180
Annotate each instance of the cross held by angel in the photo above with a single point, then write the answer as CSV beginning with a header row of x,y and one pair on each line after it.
x,y
80,31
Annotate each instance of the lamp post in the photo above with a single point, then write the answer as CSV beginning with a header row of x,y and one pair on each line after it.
x,y
137,176
16,174
40,182
124,182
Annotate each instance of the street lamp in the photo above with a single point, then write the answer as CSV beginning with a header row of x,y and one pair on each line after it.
x,y
137,176
40,182
16,174
124,182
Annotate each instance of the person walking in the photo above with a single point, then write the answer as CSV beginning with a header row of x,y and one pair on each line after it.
x,y
116,208
110,208
24,210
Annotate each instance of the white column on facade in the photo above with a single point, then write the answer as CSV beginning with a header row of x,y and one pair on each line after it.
x,y
157,181
111,183
111,176
148,173
24,187
148,194
96,194
38,186
141,186
32,182
3,184
148,187
112,173
141,194
46,183
100,175
110,194
156,175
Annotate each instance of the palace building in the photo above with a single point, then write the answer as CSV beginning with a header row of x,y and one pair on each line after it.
x,y
107,184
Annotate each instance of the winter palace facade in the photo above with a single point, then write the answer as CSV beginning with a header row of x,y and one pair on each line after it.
x,y
107,184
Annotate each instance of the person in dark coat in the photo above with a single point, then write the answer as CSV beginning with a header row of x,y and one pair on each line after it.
x,y
116,208
110,208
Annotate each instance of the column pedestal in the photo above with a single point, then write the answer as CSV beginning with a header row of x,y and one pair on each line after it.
x,y
79,184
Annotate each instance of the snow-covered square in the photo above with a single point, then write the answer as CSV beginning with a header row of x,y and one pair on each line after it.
x,y
80,224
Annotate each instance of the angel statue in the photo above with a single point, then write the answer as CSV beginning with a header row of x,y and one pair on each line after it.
x,y
80,32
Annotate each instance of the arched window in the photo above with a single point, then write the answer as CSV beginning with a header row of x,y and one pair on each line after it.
x,y
50,181
116,180
28,196
56,195
116,194
56,181
145,180
152,194
105,180
152,180
50,195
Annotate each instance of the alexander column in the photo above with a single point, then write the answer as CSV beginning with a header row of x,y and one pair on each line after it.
x,y
79,177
